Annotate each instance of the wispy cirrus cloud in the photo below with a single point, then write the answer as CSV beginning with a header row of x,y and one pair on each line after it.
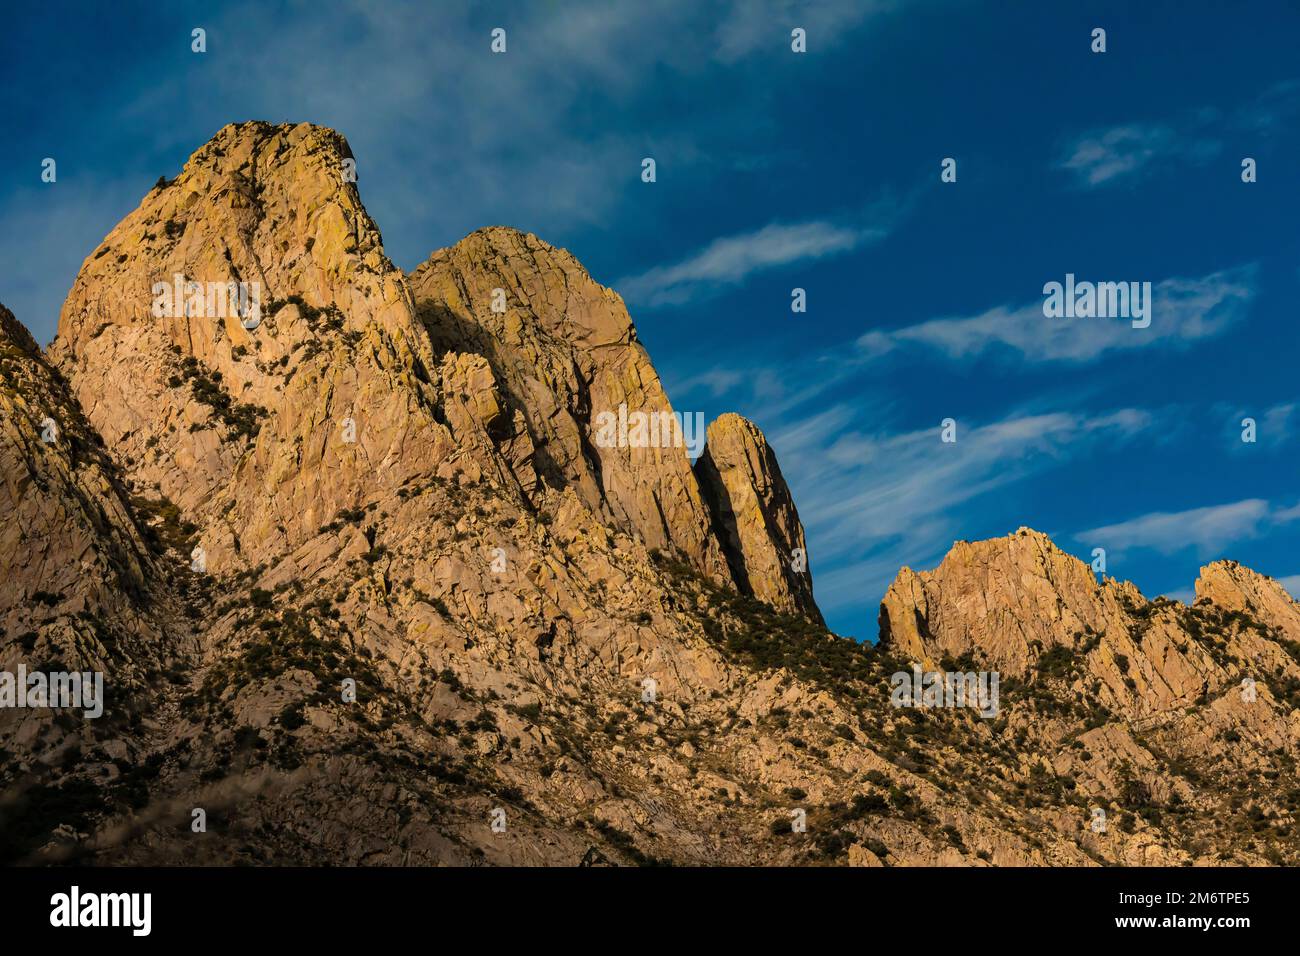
x,y
875,501
1127,151
730,260
1103,155
1184,311
1208,529
1274,108
1279,423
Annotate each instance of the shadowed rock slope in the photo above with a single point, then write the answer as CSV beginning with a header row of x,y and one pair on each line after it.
x,y
369,577
81,590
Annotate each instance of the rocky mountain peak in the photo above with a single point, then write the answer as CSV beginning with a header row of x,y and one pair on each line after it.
x,y
998,599
1233,587
249,352
588,398
246,348
1020,606
272,209
754,514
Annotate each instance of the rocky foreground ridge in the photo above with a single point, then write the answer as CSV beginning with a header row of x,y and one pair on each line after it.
x,y
368,585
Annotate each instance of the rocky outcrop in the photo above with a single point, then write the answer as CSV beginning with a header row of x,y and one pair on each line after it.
x,y
66,528
1019,604
1231,587
566,355
754,515
260,424
1008,598
1150,688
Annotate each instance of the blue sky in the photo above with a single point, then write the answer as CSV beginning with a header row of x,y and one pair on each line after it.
x,y
819,171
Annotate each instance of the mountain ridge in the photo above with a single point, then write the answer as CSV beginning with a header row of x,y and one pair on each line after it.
x,y
393,581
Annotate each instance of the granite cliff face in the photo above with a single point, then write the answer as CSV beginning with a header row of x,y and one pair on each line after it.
x,y
1005,597
565,353
244,429
368,574
754,515
1011,603
69,526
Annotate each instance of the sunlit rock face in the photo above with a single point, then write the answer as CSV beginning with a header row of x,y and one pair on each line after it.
x,y
568,359
754,515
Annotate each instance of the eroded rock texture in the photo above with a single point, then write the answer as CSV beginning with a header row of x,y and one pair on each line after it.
x,y
754,515
565,351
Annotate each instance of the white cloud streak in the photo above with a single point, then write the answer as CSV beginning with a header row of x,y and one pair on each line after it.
x,y
729,261
1208,530
1102,157
751,26
1185,311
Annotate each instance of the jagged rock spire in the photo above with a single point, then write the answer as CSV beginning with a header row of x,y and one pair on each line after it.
x,y
754,515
